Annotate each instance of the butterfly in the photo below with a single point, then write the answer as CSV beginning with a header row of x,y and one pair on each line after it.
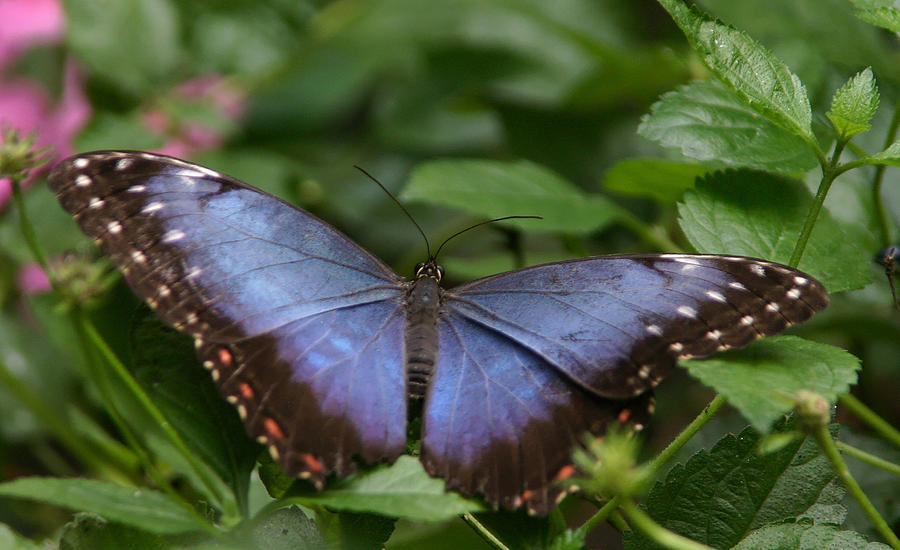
x,y
321,347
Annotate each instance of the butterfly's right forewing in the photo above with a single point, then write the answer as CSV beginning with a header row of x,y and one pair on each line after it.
x,y
301,328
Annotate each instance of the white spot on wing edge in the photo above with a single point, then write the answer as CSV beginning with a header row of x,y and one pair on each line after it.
x,y
82,180
793,293
173,236
757,269
124,163
114,227
81,163
687,311
655,330
152,207
717,296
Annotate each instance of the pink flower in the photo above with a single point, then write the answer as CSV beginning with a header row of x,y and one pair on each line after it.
x,y
26,107
24,23
186,137
32,279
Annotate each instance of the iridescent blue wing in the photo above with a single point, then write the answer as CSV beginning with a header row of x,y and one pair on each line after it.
x,y
528,358
301,329
616,325
501,421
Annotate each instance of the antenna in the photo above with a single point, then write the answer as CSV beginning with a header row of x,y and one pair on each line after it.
x,y
405,211
421,232
461,231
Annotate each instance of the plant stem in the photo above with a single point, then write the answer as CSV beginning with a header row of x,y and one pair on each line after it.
x,y
840,467
869,459
705,415
656,532
878,178
147,405
483,532
646,232
869,416
829,172
28,233
657,463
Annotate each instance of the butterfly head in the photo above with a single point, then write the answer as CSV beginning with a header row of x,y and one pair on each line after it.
x,y
429,269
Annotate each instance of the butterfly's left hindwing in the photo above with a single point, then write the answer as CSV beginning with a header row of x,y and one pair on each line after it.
x,y
499,420
277,301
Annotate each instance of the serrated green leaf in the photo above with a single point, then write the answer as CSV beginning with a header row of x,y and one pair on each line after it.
x,y
854,105
142,508
708,122
761,215
890,156
759,379
402,490
658,179
761,79
287,529
881,13
795,481
493,189
805,535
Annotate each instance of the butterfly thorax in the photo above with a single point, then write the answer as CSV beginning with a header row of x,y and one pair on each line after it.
x,y
423,302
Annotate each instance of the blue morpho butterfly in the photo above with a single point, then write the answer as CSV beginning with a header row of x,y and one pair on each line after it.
x,y
318,344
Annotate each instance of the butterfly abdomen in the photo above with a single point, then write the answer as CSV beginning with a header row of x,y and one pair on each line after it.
x,y
423,302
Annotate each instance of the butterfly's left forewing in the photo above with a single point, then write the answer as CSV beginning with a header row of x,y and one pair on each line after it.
x,y
300,327
616,325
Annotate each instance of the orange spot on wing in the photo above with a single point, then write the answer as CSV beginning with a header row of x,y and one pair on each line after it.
x,y
273,428
624,416
246,390
225,357
313,464
564,473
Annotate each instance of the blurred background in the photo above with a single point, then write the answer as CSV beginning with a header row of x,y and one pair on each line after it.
x,y
290,95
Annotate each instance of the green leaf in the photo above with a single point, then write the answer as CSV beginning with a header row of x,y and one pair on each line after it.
x,y
493,189
91,532
143,508
401,490
662,180
881,13
166,366
10,540
890,156
132,43
287,529
758,489
708,122
805,535
759,379
761,79
364,531
854,105
761,215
